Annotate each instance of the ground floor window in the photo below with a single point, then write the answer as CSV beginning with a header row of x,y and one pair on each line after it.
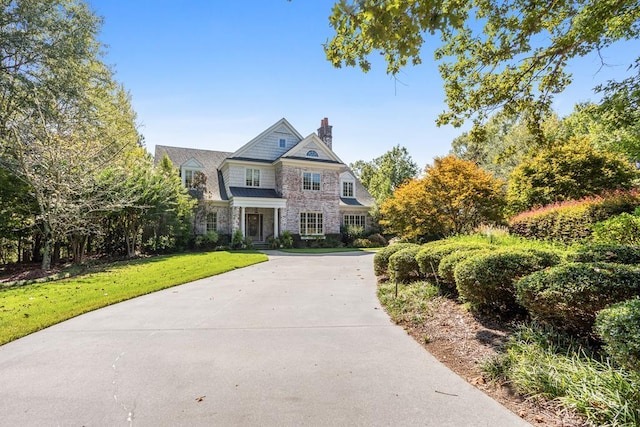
x,y
354,220
310,223
212,221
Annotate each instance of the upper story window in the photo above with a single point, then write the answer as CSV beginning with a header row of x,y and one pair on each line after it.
x,y
282,143
189,174
212,221
311,181
312,153
252,178
347,189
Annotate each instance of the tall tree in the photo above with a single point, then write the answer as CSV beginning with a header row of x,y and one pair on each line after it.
x,y
382,175
508,55
62,117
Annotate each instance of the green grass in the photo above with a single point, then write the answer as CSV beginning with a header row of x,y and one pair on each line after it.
x,y
413,303
319,250
540,362
29,308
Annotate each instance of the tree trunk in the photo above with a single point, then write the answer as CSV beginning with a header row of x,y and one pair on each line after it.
x,y
46,253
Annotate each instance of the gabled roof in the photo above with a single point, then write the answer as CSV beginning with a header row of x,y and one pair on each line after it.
x,y
243,151
209,159
312,142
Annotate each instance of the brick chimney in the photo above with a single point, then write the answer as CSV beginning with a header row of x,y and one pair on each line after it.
x,y
324,132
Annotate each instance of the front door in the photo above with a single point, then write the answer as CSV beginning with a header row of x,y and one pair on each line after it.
x,y
254,227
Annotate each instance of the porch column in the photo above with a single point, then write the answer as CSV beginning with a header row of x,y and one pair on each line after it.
x,y
242,220
276,213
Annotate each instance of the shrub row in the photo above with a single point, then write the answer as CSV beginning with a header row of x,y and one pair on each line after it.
x,y
569,296
573,220
487,280
619,254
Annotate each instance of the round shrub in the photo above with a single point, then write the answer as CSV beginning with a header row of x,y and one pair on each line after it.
x,y
487,280
378,240
403,266
363,243
621,229
619,328
381,258
618,254
449,262
431,254
568,296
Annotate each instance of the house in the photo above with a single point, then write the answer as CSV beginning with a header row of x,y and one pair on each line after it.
x,y
278,181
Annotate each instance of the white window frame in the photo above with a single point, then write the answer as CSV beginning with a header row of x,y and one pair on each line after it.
x,y
312,154
188,180
354,220
353,189
211,222
311,221
311,183
251,181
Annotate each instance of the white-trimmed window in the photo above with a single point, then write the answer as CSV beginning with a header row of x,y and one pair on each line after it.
x,y
189,174
282,143
212,221
348,189
311,224
252,177
312,153
354,220
311,181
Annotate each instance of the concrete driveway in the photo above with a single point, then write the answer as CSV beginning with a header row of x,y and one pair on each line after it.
x,y
298,340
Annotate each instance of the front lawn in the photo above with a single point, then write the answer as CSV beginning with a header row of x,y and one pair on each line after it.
x,y
29,308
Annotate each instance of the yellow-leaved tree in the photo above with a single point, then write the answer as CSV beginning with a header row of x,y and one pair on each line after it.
x,y
454,196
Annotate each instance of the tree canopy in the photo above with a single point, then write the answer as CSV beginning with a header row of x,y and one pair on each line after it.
x,y
382,175
510,55
454,196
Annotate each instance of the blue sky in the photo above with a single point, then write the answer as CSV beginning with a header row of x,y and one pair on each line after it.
x,y
214,74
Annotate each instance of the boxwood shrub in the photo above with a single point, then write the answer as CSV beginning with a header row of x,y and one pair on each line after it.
x,y
619,328
430,256
569,296
446,268
487,280
381,258
619,254
403,266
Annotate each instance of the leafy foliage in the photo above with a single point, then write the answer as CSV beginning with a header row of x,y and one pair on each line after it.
x,y
622,229
566,172
569,296
509,55
487,280
381,258
613,253
572,220
403,266
619,328
454,196
384,174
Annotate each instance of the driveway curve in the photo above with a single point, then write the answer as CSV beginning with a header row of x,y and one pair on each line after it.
x,y
298,340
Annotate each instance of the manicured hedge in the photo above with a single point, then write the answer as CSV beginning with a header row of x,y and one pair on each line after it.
x,y
569,296
619,328
403,266
487,280
448,264
573,220
430,256
619,254
381,258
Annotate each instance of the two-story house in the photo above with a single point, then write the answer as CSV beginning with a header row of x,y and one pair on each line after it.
x,y
278,181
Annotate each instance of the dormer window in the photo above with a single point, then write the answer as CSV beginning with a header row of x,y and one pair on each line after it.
x,y
347,189
252,178
312,153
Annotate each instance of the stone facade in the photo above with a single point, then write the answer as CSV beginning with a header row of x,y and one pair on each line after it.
x,y
282,156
